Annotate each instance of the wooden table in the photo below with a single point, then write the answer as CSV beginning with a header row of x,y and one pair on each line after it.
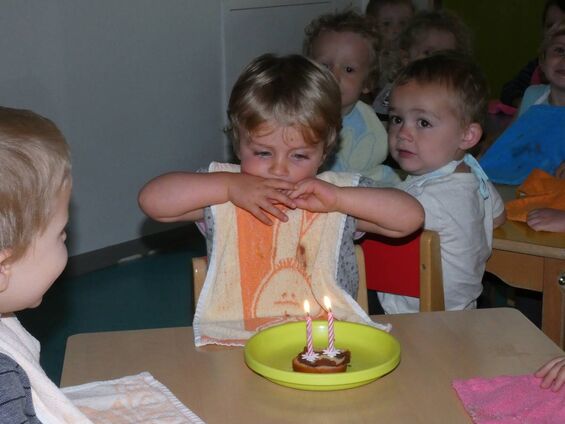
x,y
215,383
532,260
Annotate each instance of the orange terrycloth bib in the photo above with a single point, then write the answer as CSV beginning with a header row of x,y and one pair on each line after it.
x,y
539,190
259,275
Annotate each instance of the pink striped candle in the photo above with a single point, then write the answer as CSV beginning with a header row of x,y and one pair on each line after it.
x,y
309,341
331,334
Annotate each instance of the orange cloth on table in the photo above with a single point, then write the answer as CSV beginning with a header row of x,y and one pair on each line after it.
x,y
259,275
540,190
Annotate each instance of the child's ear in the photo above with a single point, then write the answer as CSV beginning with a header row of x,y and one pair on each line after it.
x,y
4,269
471,136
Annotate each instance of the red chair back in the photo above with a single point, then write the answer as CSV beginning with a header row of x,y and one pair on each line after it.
x,y
393,265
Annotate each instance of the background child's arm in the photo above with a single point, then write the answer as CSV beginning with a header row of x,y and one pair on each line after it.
x,y
552,374
386,211
182,196
547,219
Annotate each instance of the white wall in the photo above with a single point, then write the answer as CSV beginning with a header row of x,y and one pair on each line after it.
x,y
134,85
138,87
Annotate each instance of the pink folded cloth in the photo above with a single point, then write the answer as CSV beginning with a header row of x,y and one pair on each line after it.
x,y
510,399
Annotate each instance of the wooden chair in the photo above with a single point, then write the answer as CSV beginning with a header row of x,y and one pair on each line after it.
x,y
200,265
409,266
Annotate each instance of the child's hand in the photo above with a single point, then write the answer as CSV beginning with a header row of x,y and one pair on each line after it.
x,y
315,195
260,196
547,219
553,374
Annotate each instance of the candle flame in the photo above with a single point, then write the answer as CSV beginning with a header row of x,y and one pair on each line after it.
x,y
327,303
306,306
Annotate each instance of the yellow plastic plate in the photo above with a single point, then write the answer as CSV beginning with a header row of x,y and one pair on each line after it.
x,y
373,354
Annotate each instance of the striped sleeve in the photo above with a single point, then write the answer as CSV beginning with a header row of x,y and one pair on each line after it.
x,y
15,394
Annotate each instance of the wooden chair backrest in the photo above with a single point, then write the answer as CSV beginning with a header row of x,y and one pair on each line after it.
x,y
200,265
410,266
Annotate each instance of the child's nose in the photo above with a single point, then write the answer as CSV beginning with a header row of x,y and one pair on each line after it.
x,y
279,168
404,132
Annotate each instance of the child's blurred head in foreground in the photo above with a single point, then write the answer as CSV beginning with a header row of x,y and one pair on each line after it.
x,y
284,117
35,185
391,17
552,59
347,44
437,111
432,31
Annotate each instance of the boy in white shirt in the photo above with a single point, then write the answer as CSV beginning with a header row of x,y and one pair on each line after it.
x,y
438,105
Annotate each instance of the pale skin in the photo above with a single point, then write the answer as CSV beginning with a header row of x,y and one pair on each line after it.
x,y
552,374
24,281
278,167
548,219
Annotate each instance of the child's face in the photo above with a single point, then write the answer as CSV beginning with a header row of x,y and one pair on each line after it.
x,y
425,131
279,152
33,274
553,64
348,56
391,20
433,40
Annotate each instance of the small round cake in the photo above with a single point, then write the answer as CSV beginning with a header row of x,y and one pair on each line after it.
x,y
322,362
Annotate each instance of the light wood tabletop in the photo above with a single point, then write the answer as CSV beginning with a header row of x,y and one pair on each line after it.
x,y
533,260
215,383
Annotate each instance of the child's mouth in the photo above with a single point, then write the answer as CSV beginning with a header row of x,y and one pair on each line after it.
x,y
404,153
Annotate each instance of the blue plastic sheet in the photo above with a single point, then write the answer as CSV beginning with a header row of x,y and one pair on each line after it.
x,y
535,140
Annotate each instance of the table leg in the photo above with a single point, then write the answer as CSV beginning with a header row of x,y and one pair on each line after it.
x,y
553,303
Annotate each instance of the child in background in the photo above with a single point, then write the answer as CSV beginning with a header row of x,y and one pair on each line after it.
x,y
390,17
437,110
552,52
35,186
284,118
428,32
531,74
347,44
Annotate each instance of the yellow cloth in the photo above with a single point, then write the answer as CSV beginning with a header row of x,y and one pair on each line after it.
x,y
539,190
260,275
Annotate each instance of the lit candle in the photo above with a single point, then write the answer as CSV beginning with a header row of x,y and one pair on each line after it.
x,y
309,341
331,335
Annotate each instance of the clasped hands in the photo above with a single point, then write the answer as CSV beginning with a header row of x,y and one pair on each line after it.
x,y
263,197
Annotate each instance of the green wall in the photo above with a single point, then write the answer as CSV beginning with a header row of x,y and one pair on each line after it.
x,y
506,34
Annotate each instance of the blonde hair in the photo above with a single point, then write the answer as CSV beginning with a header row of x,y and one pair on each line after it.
x,y
352,22
459,74
34,166
557,31
291,90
